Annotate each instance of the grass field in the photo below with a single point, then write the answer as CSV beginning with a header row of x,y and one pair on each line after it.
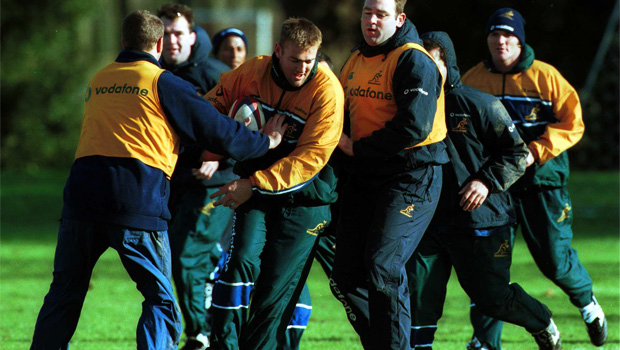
x,y
31,206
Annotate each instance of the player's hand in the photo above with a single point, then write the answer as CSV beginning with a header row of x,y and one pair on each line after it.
x,y
235,193
275,129
346,145
206,171
530,159
474,194
247,121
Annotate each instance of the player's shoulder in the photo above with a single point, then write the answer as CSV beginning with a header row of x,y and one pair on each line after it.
x,y
542,65
326,80
258,63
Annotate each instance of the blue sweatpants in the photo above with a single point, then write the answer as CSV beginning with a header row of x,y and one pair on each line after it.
x,y
379,230
146,257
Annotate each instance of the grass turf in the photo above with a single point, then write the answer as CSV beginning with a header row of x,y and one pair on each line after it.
x,y
31,206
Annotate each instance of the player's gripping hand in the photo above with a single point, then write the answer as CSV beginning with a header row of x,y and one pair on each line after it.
x,y
474,194
275,129
206,171
235,193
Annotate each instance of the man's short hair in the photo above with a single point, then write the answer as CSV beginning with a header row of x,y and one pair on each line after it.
x,y
301,32
400,6
430,44
141,30
172,11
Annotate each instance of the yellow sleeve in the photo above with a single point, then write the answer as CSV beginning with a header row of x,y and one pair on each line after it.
x,y
567,132
318,140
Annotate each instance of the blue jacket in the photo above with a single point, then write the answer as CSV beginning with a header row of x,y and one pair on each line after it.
x,y
126,191
483,144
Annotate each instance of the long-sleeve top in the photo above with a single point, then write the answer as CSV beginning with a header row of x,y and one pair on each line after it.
x,y
394,97
135,115
545,109
314,114
483,144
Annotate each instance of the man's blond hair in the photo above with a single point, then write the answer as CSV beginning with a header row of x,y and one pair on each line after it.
x,y
301,32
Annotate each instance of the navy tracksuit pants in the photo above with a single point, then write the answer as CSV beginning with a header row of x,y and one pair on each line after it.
x,y
378,232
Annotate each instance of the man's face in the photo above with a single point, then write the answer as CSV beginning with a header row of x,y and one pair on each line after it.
x,y
504,47
436,54
380,21
232,51
178,40
296,62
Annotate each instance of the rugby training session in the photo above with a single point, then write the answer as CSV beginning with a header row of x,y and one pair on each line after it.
x,y
400,185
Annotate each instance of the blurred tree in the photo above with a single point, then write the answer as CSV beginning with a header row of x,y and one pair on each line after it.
x,y
338,20
51,48
47,59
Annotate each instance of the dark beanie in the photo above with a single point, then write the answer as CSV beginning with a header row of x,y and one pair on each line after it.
x,y
223,34
509,20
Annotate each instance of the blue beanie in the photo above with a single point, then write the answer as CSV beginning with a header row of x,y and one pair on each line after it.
x,y
223,34
509,20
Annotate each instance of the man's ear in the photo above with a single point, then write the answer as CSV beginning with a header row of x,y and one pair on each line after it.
x,y
159,46
278,51
400,19
192,38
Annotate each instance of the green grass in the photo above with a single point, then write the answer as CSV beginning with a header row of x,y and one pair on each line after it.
x,y
31,207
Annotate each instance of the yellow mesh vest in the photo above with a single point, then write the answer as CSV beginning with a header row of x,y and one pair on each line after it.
x,y
123,117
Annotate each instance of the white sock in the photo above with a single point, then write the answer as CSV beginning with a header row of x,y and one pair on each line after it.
x,y
591,311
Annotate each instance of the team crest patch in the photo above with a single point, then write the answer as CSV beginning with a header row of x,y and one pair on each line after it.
x,y
207,209
317,229
533,114
375,79
565,213
509,15
291,131
407,211
503,250
461,126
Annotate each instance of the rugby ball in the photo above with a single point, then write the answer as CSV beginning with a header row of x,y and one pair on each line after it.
x,y
248,107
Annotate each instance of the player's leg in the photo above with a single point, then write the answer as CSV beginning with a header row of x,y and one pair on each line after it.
x,y
299,321
326,250
428,272
232,291
285,262
482,263
487,330
348,281
194,232
546,218
79,246
146,257
402,214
